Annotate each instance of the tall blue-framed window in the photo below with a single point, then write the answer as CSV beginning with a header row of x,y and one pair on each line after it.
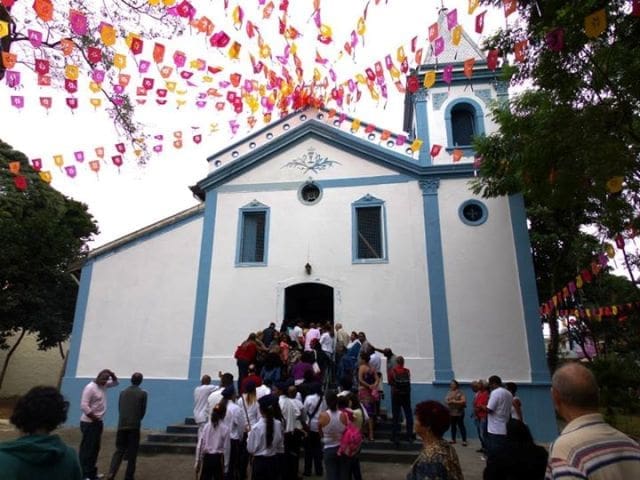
x,y
464,120
253,235
369,230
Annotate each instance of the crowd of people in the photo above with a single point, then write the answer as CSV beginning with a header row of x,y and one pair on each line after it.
x,y
310,396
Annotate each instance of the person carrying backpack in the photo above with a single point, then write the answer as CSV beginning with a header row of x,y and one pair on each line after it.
x,y
400,382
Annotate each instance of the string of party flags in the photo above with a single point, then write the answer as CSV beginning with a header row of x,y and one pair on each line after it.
x,y
276,83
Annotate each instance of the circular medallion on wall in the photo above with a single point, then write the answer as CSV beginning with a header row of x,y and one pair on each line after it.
x,y
473,212
310,193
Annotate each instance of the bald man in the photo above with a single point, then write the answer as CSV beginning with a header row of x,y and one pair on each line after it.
x,y
588,447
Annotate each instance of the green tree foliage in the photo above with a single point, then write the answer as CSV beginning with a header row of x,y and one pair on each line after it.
x,y
577,125
569,135
42,233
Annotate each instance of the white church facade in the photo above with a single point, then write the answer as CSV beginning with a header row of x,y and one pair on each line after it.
x,y
313,216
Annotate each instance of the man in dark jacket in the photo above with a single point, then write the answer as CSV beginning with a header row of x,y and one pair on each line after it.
x,y
131,407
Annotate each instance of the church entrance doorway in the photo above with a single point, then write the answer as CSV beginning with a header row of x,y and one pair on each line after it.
x,y
309,302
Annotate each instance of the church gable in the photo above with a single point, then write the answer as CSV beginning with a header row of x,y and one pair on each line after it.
x,y
312,144
311,159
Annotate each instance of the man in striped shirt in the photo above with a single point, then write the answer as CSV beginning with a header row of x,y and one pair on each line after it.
x,y
588,447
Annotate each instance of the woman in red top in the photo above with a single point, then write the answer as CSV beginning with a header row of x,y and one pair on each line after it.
x,y
245,355
480,400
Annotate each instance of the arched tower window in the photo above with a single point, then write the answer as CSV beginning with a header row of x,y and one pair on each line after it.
x,y
464,119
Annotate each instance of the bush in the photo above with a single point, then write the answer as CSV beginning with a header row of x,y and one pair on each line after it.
x,y
619,380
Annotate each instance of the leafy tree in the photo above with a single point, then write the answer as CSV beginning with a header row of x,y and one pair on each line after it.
x,y
139,16
573,138
570,139
42,234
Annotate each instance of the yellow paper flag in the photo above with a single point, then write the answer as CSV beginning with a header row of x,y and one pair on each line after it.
x,y
45,176
355,125
119,61
234,50
71,72
58,160
456,35
94,87
473,4
416,145
595,24
108,35
4,28
429,79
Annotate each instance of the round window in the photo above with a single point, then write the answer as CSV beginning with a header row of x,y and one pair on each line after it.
x,y
310,193
473,212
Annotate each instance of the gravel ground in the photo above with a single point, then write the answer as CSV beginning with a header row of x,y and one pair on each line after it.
x,y
177,467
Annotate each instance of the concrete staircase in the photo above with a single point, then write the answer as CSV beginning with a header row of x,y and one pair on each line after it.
x,y
181,439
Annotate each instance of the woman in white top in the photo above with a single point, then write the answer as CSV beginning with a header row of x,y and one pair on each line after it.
x,y
265,441
248,401
332,423
211,446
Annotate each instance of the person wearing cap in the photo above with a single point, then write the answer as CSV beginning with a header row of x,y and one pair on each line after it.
x,y
265,440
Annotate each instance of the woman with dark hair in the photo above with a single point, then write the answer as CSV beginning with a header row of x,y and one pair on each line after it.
x,y
37,453
368,381
266,440
211,445
457,402
438,459
332,423
521,459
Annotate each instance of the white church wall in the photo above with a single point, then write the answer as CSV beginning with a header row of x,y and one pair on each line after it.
x,y
483,294
376,298
140,309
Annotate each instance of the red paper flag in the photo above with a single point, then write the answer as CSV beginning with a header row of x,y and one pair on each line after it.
x,y
480,22
510,6
20,182
94,54
42,66
520,50
492,59
136,45
435,150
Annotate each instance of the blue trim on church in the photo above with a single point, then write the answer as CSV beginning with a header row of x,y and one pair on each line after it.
x,y
78,319
437,295
528,290
202,288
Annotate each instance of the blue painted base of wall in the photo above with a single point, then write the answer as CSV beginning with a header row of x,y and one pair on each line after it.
x,y
536,404
170,401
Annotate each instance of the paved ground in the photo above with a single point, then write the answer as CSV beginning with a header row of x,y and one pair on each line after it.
x,y
177,467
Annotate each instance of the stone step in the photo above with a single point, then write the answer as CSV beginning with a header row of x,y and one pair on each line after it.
x,y
374,452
